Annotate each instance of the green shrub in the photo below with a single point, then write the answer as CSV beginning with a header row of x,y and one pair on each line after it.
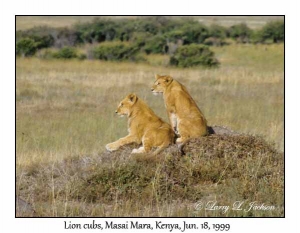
x,y
194,32
139,38
99,30
42,36
145,32
189,32
174,36
217,35
272,31
240,33
26,47
115,51
156,44
65,53
45,41
217,31
193,55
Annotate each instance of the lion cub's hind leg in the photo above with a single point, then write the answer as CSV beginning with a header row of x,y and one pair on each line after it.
x,y
163,138
146,147
161,148
183,130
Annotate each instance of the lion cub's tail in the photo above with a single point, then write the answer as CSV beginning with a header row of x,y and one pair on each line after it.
x,y
181,146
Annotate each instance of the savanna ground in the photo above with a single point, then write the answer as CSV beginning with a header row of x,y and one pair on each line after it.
x,y
65,116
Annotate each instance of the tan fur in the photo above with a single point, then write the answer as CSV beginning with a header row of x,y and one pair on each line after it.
x,y
143,126
185,117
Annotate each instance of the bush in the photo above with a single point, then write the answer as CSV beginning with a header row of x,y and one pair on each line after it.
x,y
217,35
150,34
174,36
45,41
42,36
26,47
193,55
156,44
65,53
139,38
194,32
272,31
217,31
240,33
98,31
115,51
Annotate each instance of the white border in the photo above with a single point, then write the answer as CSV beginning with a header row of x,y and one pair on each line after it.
x,y
7,43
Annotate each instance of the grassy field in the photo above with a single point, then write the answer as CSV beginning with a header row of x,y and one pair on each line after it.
x,y
27,22
65,114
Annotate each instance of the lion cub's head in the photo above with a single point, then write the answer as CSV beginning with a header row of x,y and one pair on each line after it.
x,y
126,104
161,83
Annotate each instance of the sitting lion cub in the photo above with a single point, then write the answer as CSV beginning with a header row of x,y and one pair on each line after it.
x,y
185,117
143,126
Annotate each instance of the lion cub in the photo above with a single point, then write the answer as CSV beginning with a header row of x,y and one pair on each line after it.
x,y
143,126
185,117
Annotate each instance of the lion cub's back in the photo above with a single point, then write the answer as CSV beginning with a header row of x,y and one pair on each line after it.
x,y
185,105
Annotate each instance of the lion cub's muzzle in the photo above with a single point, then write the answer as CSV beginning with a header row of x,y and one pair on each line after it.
x,y
154,92
120,114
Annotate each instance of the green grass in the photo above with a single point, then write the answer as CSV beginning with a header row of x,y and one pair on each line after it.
x,y
65,113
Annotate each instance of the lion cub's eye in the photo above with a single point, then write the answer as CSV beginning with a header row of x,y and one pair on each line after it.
x,y
121,105
158,83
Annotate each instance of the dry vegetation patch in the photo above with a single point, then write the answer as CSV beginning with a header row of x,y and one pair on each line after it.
x,y
225,168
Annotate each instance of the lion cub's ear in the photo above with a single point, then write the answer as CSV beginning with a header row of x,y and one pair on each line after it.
x,y
168,79
157,76
132,98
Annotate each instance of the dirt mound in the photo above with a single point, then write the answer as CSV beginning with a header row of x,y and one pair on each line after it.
x,y
226,145
221,130
226,168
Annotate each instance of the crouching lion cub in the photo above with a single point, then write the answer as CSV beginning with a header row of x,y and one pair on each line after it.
x,y
143,126
185,117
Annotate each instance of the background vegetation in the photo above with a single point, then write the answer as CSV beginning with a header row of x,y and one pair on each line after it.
x,y
144,35
65,116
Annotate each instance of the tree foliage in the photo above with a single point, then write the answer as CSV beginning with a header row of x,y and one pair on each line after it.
x,y
115,51
194,55
26,47
272,32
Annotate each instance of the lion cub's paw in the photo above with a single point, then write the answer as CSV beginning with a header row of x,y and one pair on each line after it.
x,y
110,147
138,151
179,140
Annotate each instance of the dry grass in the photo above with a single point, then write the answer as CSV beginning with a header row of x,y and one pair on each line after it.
x,y
65,112
216,168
